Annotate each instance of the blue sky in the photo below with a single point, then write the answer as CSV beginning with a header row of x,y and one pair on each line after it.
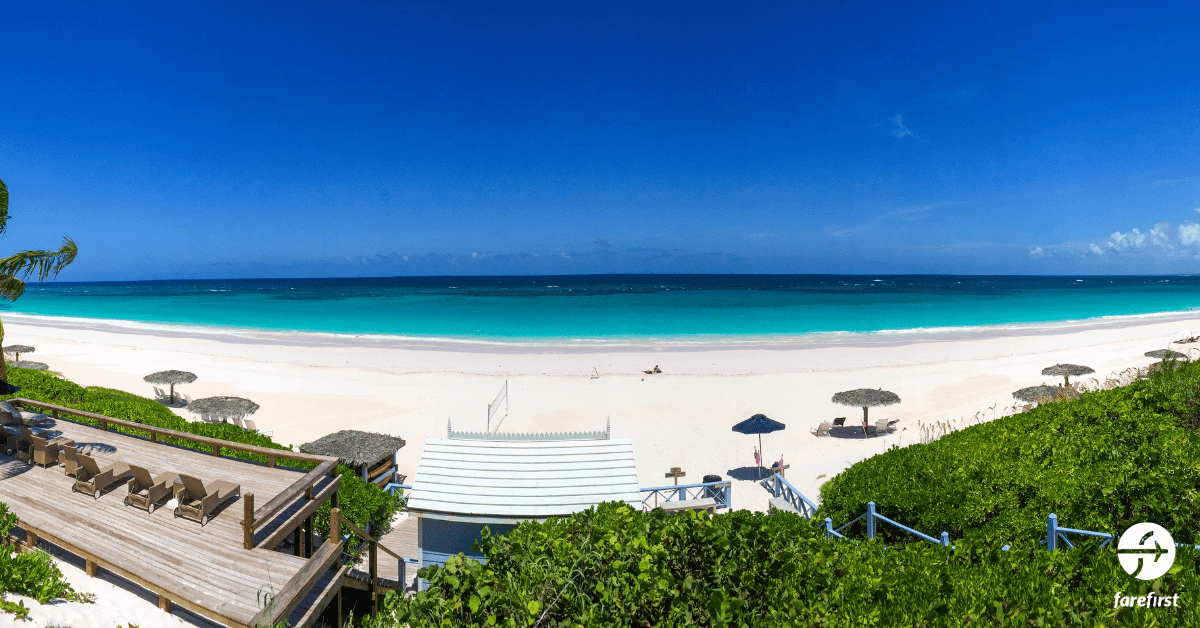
x,y
377,139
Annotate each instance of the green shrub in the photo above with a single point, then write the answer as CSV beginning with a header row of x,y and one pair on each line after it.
x,y
361,502
1102,462
32,574
614,566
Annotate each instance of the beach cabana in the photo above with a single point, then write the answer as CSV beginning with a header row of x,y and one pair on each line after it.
x,y
372,456
17,350
170,378
866,398
470,480
221,409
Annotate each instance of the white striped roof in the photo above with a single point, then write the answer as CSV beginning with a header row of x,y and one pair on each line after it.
x,y
531,479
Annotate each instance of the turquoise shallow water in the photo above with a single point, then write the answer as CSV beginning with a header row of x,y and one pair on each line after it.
x,y
614,307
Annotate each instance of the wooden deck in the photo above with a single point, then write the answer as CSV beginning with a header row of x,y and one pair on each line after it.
x,y
204,569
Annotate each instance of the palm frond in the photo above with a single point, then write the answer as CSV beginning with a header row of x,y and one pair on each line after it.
x,y
43,263
11,288
3,206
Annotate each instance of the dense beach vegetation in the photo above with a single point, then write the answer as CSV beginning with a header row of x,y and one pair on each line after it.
x,y
360,501
1103,461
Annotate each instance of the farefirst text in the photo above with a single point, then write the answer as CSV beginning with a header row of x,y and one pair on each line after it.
x,y
1146,601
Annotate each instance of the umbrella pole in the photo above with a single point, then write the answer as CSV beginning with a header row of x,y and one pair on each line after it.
x,y
864,421
760,456
172,393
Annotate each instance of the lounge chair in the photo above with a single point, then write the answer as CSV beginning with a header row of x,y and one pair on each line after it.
x,y
823,429
882,427
145,492
70,462
238,422
839,422
9,414
186,398
93,480
197,500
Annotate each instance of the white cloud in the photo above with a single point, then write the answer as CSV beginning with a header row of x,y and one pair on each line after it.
x,y
901,130
1095,249
1036,252
1189,233
1121,242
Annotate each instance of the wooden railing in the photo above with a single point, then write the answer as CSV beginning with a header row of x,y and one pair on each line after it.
x,y
336,520
292,593
252,520
215,444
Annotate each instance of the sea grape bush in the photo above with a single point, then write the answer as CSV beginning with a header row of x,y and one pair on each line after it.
x,y
361,502
616,566
1102,462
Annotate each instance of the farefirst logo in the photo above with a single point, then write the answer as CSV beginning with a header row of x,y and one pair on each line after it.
x,y
1146,551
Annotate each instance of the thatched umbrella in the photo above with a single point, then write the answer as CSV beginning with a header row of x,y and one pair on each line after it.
x,y
1037,394
1067,371
17,350
222,407
25,364
1166,354
354,448
171,378
866,398
758,424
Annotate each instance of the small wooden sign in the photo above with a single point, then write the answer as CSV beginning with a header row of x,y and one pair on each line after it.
x,y
676,473
780,470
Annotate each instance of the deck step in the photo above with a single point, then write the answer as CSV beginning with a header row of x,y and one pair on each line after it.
x,y
779,503
315,603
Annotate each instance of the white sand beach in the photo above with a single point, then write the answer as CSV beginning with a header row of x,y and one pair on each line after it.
x,y
310,385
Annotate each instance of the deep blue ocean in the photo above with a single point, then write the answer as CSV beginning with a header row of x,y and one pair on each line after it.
x,y
614,307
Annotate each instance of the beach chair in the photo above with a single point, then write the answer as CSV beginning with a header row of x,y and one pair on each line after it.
x,y
882,427
186,398
93,480
145,492
823,429
839,422
238,422
9,414
198,500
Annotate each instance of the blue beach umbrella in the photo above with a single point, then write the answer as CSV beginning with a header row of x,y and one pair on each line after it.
x,y
758,424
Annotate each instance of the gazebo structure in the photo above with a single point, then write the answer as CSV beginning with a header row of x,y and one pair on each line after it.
x,y
372,456
470,480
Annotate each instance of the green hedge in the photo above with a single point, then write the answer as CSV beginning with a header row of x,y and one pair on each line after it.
x,y
31,574
360,501
1101,462
614,566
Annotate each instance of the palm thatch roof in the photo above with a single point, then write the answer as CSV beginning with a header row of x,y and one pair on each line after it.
x,y
1068,370
1037,394
170,377
866,397
224,407
18,349
354,448
26,364
1159,354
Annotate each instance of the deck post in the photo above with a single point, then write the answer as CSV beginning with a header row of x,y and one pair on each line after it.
x,y
104,425
248,520
870,520
1051,532
90,568
296,540
216,449
31,539
945,539
335,525
308,534
271,461
339,609
154,437
374,577
164,603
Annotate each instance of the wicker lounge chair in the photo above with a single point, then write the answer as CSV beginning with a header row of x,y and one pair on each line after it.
x,y
823,429
197,499
93,480
70,461
839,422
146,492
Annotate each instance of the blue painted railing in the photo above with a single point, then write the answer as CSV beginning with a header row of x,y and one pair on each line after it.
x,y
874,517
1054,533
778,486
393,488
721,492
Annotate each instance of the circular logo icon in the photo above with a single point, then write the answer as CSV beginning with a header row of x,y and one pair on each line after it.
x,y
1146,551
